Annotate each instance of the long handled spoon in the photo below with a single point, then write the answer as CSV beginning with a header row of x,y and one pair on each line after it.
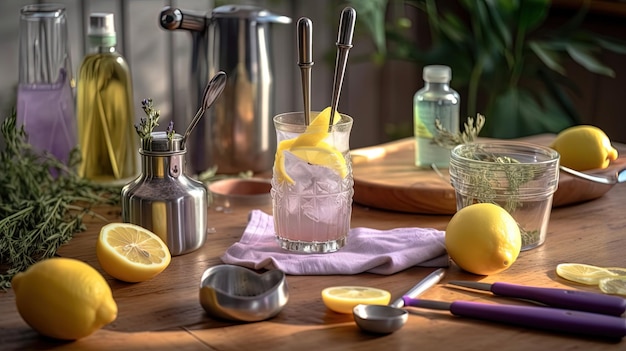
x,y
344,44
212,91
305,61
618,177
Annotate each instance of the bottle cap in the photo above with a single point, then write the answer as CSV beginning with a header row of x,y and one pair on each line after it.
x,y
437,74
101,24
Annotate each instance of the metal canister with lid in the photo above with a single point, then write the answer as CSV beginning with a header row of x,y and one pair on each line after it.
x,y
163,199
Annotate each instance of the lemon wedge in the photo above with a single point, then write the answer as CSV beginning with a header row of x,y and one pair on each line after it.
x,y
342,299
317,130
131,253
310,147
323,154
586,274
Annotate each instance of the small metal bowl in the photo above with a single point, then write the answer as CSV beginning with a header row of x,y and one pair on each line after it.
x,y
240,294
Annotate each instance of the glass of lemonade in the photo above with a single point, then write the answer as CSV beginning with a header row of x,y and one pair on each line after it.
x,y
312,184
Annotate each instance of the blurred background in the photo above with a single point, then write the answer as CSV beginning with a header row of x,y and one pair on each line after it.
x,y
380,80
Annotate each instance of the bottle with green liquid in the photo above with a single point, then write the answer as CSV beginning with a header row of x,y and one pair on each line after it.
x,y
105,113
435,101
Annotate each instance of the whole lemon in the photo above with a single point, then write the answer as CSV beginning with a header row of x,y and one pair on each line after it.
x,y
483,239
584,147
64,298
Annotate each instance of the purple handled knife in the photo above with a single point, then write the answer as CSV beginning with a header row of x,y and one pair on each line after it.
x,y
551,319
553,297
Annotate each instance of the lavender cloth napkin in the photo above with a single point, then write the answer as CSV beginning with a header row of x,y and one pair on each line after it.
x,y
367,250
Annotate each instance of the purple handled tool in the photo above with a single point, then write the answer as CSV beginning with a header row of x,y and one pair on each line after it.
x,y
550,319
553,297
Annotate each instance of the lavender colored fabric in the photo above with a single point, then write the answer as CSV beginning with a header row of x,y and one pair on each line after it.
x,y
367,250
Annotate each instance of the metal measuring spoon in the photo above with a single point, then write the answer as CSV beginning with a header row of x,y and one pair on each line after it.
x,y
305,61
618,177
344,44
211,93
385,319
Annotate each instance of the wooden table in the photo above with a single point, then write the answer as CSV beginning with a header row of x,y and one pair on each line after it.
x,y
164,313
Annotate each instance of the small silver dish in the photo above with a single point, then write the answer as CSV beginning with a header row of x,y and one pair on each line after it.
x,y
240,294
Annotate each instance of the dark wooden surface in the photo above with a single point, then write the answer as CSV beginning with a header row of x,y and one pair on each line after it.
x,y
164,313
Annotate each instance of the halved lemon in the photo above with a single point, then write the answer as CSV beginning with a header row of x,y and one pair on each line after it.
x,y
584,273
131,253
613,285
342,299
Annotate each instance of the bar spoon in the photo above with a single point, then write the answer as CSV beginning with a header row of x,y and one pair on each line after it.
x,y
212,91
618,177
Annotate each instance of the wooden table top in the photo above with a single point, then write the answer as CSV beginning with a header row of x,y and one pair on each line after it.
x,y
165,313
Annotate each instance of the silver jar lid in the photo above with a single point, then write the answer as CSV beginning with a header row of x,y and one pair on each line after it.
x,y
159,143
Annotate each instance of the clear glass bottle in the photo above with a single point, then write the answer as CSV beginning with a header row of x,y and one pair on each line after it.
x,y
45,96
435,101
107,136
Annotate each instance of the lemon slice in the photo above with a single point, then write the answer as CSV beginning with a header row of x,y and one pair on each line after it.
x,y
613,285
584,273
131,253
342,299
317,130
279,161
323,154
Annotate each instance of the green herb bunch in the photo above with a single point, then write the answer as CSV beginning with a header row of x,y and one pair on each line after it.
x,y
38,212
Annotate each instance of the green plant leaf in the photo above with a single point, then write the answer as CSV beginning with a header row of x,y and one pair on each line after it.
x,y
517,113
371,15
497,13
532,13
583,55
547,56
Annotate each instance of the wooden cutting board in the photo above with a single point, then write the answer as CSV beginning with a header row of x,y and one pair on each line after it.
x,y
385,177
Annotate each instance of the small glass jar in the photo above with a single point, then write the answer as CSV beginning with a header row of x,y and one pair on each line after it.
x,y
519,177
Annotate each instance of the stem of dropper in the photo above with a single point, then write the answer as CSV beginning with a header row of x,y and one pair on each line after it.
x,y
344,44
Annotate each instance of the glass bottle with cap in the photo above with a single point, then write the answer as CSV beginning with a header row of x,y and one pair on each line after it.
x,y
105,110
163,199
435,101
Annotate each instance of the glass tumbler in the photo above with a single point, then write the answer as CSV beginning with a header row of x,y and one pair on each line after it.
x,y
312,184
45,98
519,177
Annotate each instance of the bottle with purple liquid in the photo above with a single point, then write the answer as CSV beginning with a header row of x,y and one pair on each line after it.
x,y
45,98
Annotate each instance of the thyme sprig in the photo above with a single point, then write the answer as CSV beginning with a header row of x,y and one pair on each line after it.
x,y
38,212
449,140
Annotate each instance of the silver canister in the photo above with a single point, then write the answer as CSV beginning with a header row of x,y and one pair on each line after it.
x,y
163,199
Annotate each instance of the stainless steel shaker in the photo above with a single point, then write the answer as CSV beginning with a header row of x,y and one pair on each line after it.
x,y
237,134
163,199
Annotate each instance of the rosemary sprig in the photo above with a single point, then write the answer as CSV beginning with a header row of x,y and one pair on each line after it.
x,y
38,212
